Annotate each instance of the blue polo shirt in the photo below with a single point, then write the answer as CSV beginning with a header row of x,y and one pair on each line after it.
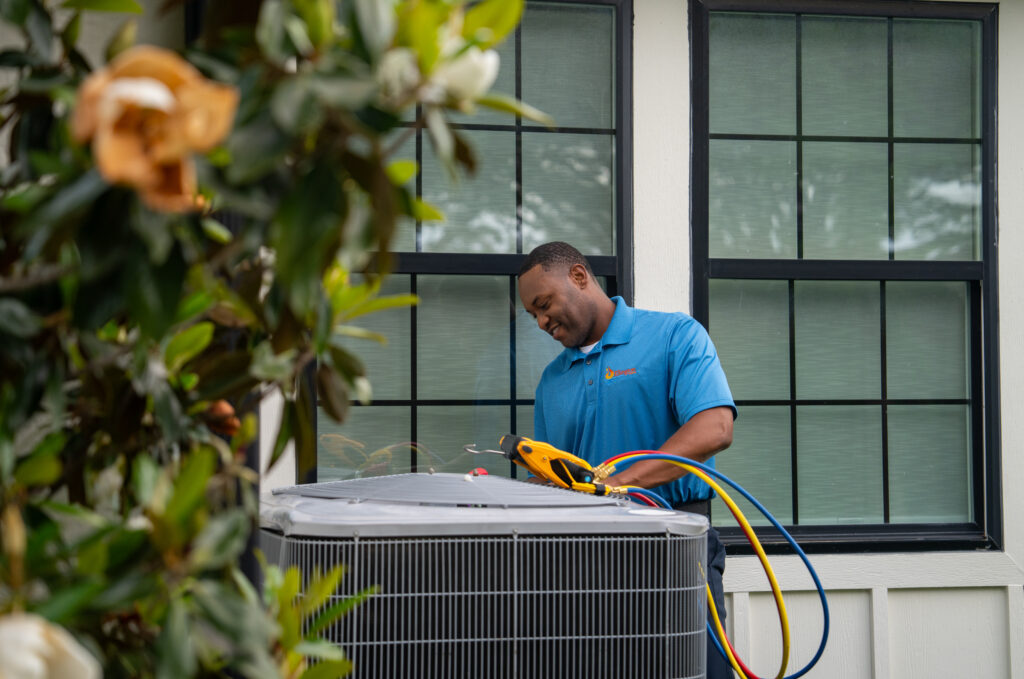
x,y
648,375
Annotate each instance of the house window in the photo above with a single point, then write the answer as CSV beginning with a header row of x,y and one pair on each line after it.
x,y
462,366
844,261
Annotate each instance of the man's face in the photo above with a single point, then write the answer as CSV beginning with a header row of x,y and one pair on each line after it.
x,y
556,299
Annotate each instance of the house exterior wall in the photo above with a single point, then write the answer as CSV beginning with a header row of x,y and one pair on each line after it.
x,y
893,616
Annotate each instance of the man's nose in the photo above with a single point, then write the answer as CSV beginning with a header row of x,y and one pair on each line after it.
x,y
543,320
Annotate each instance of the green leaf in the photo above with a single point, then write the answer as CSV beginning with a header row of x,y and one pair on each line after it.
x,y
440,137
318,16
401,171
38,470
76,512
294,107
284,434
122,40
23,199
72,30
256,148
18,320
193,305
129,6
332,392
216,231
343,91
175,650
320,588
221,541
359,333
380,304
488,22
304,430
190,486
64,603
39,27
306,233
270,32
425,212
331,669
507,104
14,11
321,649
332,613
418,28
187,344
295,28
145,474
153,291
376,24
287,613
266,365
68,201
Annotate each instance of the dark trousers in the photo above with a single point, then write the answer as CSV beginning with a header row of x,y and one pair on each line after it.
x,y
718,667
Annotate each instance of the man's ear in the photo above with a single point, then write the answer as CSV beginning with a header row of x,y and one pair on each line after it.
x,y
579,276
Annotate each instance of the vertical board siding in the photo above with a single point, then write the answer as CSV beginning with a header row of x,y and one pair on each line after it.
x,y
849,651
948,633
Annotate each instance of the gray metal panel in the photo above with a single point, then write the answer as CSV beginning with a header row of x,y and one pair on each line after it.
x,y
482,506
448,490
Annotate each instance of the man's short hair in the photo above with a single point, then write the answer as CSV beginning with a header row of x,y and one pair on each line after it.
x,y
555,253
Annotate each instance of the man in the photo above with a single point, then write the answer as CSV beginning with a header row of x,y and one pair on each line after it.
x,y
629,379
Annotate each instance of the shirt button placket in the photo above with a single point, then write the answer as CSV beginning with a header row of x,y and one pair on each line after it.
x,y
589,370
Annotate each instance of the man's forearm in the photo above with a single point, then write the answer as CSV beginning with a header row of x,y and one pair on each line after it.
x,y
706,433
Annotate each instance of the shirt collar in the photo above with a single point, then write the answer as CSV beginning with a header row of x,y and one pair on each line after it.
x,y
619,331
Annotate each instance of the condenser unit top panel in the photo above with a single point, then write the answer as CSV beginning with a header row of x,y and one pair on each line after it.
x,y
406,505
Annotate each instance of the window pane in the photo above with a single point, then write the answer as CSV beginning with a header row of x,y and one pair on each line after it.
x,y
373,441
926,340
844,76
524,422
937,201
936,78
929,464
387,365
759,460
462,337
846,201
752,83
480,211
534,350
838,340
839,474
568,191
752,199
568,62
750,328
445,430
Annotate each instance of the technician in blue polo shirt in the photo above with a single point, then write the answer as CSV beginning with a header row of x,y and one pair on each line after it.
x,y
629,379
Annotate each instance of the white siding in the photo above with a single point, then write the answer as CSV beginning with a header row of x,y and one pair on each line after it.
x,y
897,616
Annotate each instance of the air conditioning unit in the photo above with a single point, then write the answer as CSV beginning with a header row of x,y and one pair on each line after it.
x,y
482,576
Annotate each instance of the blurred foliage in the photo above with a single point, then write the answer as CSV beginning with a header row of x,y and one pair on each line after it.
x,y
139,335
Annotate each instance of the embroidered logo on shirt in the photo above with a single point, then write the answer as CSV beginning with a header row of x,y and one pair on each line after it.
x,y
612,374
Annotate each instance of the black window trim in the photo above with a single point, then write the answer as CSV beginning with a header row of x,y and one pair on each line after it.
x,y
981,276
617,268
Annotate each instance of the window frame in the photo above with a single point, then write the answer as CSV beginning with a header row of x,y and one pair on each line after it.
x,y
616,268
981,276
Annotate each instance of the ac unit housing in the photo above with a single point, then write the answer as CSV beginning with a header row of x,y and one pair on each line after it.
x,y
482,576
